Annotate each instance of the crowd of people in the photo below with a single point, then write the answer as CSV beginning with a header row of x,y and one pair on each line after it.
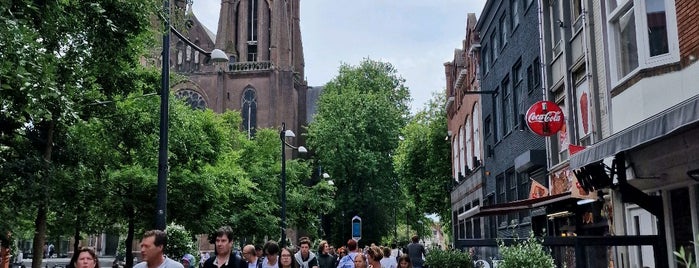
x,y
269,255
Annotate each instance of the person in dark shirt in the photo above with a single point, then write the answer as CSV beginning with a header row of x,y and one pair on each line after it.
x,y
416,252
225,257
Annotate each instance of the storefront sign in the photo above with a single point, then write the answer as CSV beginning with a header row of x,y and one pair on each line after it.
x,y
545,118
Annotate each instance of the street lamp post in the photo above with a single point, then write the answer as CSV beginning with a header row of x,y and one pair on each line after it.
x,y
217,56
161,203
282,136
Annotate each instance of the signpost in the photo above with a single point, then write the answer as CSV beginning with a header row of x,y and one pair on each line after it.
x,y
356,228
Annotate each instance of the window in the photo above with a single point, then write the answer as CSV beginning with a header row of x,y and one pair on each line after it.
x,y
512,193
486,60
576,12
502,198
499,117
537,72
462,154
642,34
477,151
469,144
487,126
495,41
504,31
455,159
192,98
517,72
514,13
249,111
507,106
523,193
252,30
530,79
556,30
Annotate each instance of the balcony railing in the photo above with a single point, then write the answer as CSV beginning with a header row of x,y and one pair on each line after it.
x,y
250,66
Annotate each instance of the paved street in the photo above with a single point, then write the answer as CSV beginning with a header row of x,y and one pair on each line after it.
x,y
105,262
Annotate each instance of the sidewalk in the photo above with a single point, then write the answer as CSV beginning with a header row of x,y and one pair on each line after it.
x,y
105,262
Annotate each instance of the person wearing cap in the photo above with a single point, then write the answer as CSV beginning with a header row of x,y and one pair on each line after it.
x,y
188,261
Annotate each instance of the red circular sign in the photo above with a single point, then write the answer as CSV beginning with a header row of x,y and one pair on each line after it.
x,y
545,118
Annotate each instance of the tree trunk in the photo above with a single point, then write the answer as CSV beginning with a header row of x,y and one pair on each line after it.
x,y
76,235
129,238
40,222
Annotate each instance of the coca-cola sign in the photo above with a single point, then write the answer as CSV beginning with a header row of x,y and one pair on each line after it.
x,y
545,118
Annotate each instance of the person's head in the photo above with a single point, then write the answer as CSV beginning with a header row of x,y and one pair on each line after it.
x,y
341,252
394,246
386,252
224,240
351,245
415,239
375,254
359,261
152,245
187,260
85,258
323,247
286,258
249,253
271,250
404,261
259,250
305,246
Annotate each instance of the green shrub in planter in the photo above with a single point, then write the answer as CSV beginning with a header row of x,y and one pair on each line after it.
x,y
438,258
529,253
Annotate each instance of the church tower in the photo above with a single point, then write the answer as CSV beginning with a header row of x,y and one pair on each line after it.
x,y
264,77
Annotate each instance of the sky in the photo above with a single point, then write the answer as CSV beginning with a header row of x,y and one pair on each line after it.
x,y
416,36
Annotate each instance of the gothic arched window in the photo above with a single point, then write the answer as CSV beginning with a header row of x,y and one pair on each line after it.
x,y
249,111
192,98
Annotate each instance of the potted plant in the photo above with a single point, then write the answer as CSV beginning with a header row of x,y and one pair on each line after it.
x,y
528,253
438,258
685,255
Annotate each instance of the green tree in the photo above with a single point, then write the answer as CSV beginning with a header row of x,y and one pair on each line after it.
x,y
354,134
52,63
422,162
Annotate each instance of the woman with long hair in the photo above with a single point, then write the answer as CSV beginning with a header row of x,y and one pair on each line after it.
x,y
286,259
374,255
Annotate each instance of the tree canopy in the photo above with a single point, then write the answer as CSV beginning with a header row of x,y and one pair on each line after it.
x,y
354,133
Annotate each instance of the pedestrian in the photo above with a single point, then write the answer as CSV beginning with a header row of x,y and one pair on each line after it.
x,y
348,260
51,250
359,261
250,257
404,261
374,256
286,259
225,257
395,251
305,257
152,245
85,258
203,256
188,260
271,252
325,258
388,261
416,252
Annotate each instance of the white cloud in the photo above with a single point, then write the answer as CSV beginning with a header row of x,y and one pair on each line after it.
x,y
416,36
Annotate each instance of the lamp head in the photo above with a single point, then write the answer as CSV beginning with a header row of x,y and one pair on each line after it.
x,y
326,175
302,150
218,55
289,134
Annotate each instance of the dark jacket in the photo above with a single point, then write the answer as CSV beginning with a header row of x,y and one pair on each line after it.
x,y
234,261
326,261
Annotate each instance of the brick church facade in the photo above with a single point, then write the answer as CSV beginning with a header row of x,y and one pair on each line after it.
x,y
264,77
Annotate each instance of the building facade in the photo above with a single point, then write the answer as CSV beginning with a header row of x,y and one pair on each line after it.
x,y
264,77
647,135
511,83
465,132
